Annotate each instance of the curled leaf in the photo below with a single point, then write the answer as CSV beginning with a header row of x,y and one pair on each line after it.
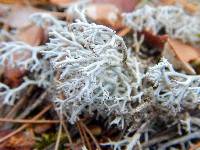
x,y
37,35
18,16
154,40
123,5
12,74
180,54
23,140
106,14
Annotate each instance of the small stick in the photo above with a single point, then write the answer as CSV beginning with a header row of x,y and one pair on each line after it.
x,y
1,109
26,125
86,139
28,121
37,102
18,106
195,121
60,115
180,140
21,102
91,135
81,134
59,135
124,31
85,136
68,135
157,140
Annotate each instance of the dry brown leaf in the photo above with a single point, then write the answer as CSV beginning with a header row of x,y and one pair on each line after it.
x,y
32,2
33,35
106,14
10,1
153,40
123,5
22,141
185,52
18,16
180,54
168,2
13,75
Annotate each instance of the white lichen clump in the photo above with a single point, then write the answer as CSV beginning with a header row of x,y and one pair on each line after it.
x,y
19,54
173,90
26,58
95,73
170,19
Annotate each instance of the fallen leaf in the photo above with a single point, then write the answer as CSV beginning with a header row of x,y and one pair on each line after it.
x,y
180,54
9,1
168,2
13,75
153,40
123,5
106,14
186,52
37,33
18,16
23,141
32,2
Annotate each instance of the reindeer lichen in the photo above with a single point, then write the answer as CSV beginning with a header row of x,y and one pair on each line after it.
x,y
172,89
24,57
170,19
95,72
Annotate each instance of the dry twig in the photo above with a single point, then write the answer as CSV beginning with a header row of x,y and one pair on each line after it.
x,y
59,135
28,121
26,125
91,135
